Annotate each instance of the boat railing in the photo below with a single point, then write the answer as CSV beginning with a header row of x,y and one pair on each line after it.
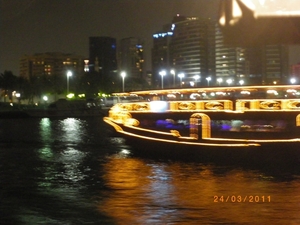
x,y
239,105
267,104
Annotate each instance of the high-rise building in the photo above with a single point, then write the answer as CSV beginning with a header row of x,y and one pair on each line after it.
x,y
275,64
131,57
192,47
257,64
196,48
295,72
103,55
231,63
185,46
50,63
161,59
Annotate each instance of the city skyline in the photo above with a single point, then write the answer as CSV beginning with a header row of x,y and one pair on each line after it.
x,y
31,26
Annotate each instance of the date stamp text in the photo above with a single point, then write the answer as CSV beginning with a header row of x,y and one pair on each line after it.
x,y
240,198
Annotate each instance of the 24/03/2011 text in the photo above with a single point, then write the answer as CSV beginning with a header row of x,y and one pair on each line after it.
x,y
240,198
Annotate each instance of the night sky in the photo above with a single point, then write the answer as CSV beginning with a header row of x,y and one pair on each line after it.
x,y
36,26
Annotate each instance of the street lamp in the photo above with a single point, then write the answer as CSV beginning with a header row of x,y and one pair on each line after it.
x,y
123,75
18,95
229,81
173,73
162,73
196,77
208,79
181,75
69,74
293,80
219,80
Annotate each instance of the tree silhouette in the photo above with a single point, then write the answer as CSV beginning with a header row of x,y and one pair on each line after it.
x,y
8,83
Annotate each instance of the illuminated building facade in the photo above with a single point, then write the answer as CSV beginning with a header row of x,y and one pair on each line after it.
x,y
103,55
193,47
185,46
50,63
131,57
231,63
257,64
161,53
295,72
275,64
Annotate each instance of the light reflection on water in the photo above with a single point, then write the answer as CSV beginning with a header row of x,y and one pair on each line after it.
x,y
70,171
183,193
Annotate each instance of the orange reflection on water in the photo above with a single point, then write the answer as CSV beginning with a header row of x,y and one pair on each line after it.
x,y
142,192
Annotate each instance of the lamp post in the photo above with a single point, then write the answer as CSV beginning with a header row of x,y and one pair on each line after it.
x,y
123,75
208,79
293,80
219,80
162,74
181,75
18,95
69,74
196,77
173,73
229,81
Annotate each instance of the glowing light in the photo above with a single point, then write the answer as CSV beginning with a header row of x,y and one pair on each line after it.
x,y
229,81
272,92
125,152
236,13
69,74
173,73
181,75
219,80
123,75
293,80
195,96
162,74
220,93
245,92
171,96
161,35
196,77
158,106
70,95
208,79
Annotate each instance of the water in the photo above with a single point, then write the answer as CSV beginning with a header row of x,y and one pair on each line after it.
x,y
71,171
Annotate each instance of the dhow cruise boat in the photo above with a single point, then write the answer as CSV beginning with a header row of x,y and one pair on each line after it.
x,y
241,117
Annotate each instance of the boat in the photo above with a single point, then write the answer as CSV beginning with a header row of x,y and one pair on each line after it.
x,y
211,118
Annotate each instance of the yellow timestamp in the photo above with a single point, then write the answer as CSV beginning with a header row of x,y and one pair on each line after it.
x,y
240,198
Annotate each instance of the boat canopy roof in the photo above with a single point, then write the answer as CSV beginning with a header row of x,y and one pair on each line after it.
x,y
267,91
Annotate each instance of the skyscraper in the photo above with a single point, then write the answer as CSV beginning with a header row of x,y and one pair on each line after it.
x,y
192,47
161,59
103,55
231,62
275,64
131,57
185,46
